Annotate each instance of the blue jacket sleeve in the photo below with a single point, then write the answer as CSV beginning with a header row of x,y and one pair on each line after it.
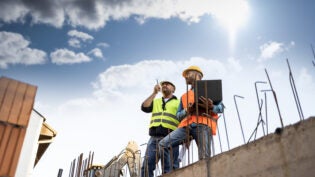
x,y
181,113
218,108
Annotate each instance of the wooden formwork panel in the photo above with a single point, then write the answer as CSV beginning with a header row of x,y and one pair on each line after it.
x,y
16,104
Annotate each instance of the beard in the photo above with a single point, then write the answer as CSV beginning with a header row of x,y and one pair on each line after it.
x,y
166,92
190,81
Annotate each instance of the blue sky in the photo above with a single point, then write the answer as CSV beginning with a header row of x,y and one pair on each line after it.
x,y
94,63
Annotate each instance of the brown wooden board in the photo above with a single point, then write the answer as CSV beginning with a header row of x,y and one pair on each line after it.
x,y
4,82
16,104
7,103
27,106
18,146
18,101
5,137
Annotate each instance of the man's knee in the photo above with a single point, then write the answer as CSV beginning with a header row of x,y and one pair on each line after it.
x,y
162,144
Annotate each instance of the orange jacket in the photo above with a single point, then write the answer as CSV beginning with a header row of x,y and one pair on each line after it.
x,y
211,121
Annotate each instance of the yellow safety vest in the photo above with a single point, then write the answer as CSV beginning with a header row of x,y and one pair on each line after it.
x,y
167,117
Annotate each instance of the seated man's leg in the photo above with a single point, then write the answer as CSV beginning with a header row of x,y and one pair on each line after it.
x,y
171,141
150,158
175,159
202,134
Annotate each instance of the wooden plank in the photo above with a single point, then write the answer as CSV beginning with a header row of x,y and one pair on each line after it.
x,y
5,154
12,150
27,106
16,104
18,147
2,128
3,87
8,100
4,143
16,109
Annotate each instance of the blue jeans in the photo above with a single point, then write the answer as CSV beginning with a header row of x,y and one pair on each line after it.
x,y
152,157
200,133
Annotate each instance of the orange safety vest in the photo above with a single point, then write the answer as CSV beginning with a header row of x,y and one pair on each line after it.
x,y
188,97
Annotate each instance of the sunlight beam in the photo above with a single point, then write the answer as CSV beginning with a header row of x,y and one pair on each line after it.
x,y
232,15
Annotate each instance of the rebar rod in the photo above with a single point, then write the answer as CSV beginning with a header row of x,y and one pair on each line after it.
x,y
260,120
266,107
275,97
226,133
238,114
256,128
266,111
259,107
219,137
295,93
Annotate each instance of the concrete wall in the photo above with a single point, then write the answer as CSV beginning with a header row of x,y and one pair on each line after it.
x,y
289,154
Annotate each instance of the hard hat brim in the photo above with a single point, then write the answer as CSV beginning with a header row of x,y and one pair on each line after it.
x,y
191,69
162,82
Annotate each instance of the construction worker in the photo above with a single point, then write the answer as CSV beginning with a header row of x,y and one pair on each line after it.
x,y
163,121
199,125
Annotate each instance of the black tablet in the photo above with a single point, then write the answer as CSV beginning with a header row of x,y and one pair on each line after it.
x,y
209,89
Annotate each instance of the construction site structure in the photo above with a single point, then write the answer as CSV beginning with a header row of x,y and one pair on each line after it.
x,y
288,152
24,133
130,156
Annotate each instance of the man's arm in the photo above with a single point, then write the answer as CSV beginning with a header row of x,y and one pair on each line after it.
x,y
181,113
147,104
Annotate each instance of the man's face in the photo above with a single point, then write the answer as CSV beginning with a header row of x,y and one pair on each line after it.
x,y
191,76
167,88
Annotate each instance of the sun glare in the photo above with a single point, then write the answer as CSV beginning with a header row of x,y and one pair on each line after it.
x,y
232,15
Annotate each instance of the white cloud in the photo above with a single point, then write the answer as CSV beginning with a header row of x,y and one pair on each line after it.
x,y
14,50
96,52
65,56
80,35
77,37
95,14
103,44
73,42
115,81
272,48
269,50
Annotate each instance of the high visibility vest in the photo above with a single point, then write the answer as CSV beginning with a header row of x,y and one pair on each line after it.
x,y
211,121
167,117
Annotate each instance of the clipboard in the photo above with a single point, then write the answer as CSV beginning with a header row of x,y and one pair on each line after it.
x,y
209,89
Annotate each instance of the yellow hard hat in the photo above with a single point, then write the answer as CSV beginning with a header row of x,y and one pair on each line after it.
x,y
192,68
162,82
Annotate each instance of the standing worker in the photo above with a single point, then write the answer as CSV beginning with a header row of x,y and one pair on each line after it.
x,y
200,125
163,121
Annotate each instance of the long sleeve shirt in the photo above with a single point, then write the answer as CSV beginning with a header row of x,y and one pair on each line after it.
x,y
182,113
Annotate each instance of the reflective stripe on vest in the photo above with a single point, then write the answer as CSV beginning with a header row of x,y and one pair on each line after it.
x,y
164,121
166,118
210,120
